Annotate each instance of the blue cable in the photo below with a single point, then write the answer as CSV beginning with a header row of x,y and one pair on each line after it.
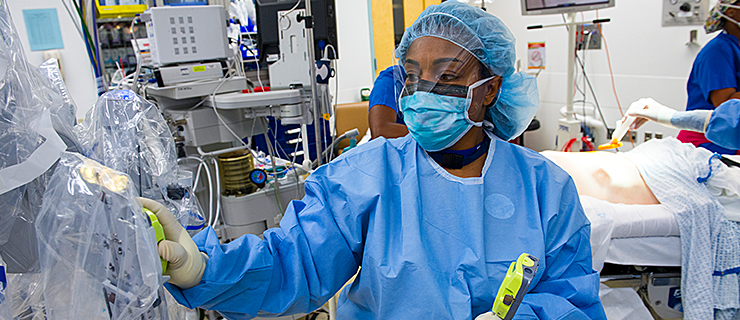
x,y
725,272
704,179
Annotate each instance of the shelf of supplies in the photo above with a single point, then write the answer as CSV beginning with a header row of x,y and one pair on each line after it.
x,y
118,11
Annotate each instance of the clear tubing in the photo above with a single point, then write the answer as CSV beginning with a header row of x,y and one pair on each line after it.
x,y
218,195
210,183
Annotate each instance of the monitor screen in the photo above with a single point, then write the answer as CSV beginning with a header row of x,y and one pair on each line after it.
x,y
324,31
535,7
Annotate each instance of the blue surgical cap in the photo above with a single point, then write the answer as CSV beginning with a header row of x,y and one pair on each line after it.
x,y
480,33
490,41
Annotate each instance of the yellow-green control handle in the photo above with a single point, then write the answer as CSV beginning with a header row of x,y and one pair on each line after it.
x,y
158,232
514,287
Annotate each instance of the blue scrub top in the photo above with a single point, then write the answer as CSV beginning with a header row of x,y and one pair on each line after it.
x,y
387,89
431,245
717,66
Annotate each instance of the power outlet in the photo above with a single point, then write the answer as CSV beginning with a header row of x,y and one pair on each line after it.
x,y
658,135
648,136
632,134
588,37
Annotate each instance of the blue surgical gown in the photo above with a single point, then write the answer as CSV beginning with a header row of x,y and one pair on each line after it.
x,y
724,125
431,245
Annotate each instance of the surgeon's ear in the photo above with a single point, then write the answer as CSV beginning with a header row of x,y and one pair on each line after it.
x,y
493,88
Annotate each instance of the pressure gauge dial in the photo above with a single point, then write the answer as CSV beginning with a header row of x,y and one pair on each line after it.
x,y
258,177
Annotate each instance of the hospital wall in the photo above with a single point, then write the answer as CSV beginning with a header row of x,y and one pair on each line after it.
x,y
355,63
647,60
78,74
354,68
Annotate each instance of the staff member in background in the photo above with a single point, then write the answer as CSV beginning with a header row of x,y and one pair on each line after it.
x,y
383,116
434,239
721,125
715,76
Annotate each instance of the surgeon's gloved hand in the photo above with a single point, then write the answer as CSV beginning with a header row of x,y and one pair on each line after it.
x,y
650,109
186,262
647,109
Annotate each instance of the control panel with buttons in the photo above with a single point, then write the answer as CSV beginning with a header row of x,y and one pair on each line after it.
x,y
684,12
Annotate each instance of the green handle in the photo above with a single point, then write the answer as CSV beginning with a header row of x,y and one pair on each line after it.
x,y
158,232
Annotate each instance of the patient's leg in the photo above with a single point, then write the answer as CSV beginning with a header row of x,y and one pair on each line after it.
x,y
604,175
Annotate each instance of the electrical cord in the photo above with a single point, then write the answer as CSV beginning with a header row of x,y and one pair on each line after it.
x,y
237,53
277,145
347,135
292,162
89,44
583,64
611,73
74,21
284,14
578,88
137,54
256,60
297,178
274,166
218,115
593,94
274,139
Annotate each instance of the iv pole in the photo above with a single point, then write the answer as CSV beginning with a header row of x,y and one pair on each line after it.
x,y
312,66
569,128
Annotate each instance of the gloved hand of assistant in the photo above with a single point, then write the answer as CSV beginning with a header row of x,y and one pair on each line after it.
x,y
648,109
186,262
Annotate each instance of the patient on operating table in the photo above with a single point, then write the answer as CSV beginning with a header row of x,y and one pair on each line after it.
x,y
604,175
693,186
615,177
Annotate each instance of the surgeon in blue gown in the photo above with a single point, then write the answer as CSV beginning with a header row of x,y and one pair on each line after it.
x,y
721,126
434,219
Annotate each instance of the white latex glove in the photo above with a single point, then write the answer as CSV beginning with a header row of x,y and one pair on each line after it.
x,y
186,262
648,109
487,316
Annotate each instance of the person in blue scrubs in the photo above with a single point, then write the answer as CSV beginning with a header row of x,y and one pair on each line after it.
x,y
715,75
721,125
384,118
429,222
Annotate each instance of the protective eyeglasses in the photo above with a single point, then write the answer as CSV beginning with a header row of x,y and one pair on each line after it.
x,y
452,90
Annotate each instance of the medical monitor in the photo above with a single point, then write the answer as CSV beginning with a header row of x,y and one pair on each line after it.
x,y
324,26
538,7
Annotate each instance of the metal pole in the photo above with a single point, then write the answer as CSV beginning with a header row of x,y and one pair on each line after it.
x,y
569,113
312,66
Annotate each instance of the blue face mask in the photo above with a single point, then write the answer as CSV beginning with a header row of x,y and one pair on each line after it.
x,y
438,121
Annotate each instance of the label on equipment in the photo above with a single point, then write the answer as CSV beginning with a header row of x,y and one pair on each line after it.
x,y
3,284
674,299
199,68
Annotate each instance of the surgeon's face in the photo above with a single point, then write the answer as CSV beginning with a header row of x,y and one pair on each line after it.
x,y
444,63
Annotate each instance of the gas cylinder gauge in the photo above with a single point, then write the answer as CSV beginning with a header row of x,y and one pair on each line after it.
x,y
258,177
